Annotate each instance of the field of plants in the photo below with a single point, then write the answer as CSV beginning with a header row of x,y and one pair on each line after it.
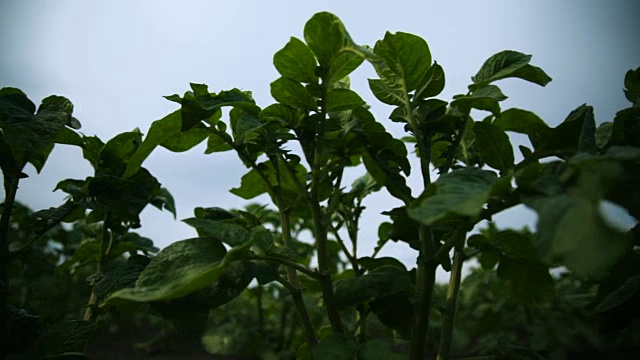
x,y
78,282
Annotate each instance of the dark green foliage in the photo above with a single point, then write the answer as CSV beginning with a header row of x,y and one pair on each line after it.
x,y
351,305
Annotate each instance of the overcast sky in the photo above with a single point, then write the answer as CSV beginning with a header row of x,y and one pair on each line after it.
x,y
116,59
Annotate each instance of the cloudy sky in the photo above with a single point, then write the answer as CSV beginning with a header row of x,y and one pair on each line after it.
x,y
116,59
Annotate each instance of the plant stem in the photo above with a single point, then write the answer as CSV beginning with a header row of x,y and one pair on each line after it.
x,y
426,272
452,300
292,266
289,263
298,301
321,222
425,280
11,189
352,260
90,313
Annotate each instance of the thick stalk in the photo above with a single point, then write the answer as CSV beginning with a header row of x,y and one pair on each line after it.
x,y
11,189
452,301
426,272
91,312
326,284
320,220
292,275
425,280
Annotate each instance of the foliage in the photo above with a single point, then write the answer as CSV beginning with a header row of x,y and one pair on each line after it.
x,y
352,305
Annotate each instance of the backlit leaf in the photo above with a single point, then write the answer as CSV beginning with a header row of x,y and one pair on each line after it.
x,y
483,98
626,127
343,99
432,84
494,146
571,231
383,281
343,64
326,36
229,233
165,132
501,65
292,93
180,269
460,192
632,86
386,92
407,56
296,61
521,121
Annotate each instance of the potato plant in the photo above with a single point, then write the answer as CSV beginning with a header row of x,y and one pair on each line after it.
x,y
296,151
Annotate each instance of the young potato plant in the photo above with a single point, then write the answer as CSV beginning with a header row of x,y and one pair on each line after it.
x,y
297,150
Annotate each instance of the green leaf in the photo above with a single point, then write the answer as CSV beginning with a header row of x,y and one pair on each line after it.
x,y
117,152
343,64
253,185
225,232
126,197
91,148
166,133
120,274
88,252
632,86
216,143
395,312
527,282
67,136
626,128
507,64
377,349
13,102
460,192
232,283
180,269
335,347
296,61
432,84
201,105
629,289
63,337
500,66
343,99
371,264
383,281
326,36
163,200
292,93
587,140
571,231
494,146
407,56
576,133
603,134
485,97
28,138
387,92
281,112
532,74
521,121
